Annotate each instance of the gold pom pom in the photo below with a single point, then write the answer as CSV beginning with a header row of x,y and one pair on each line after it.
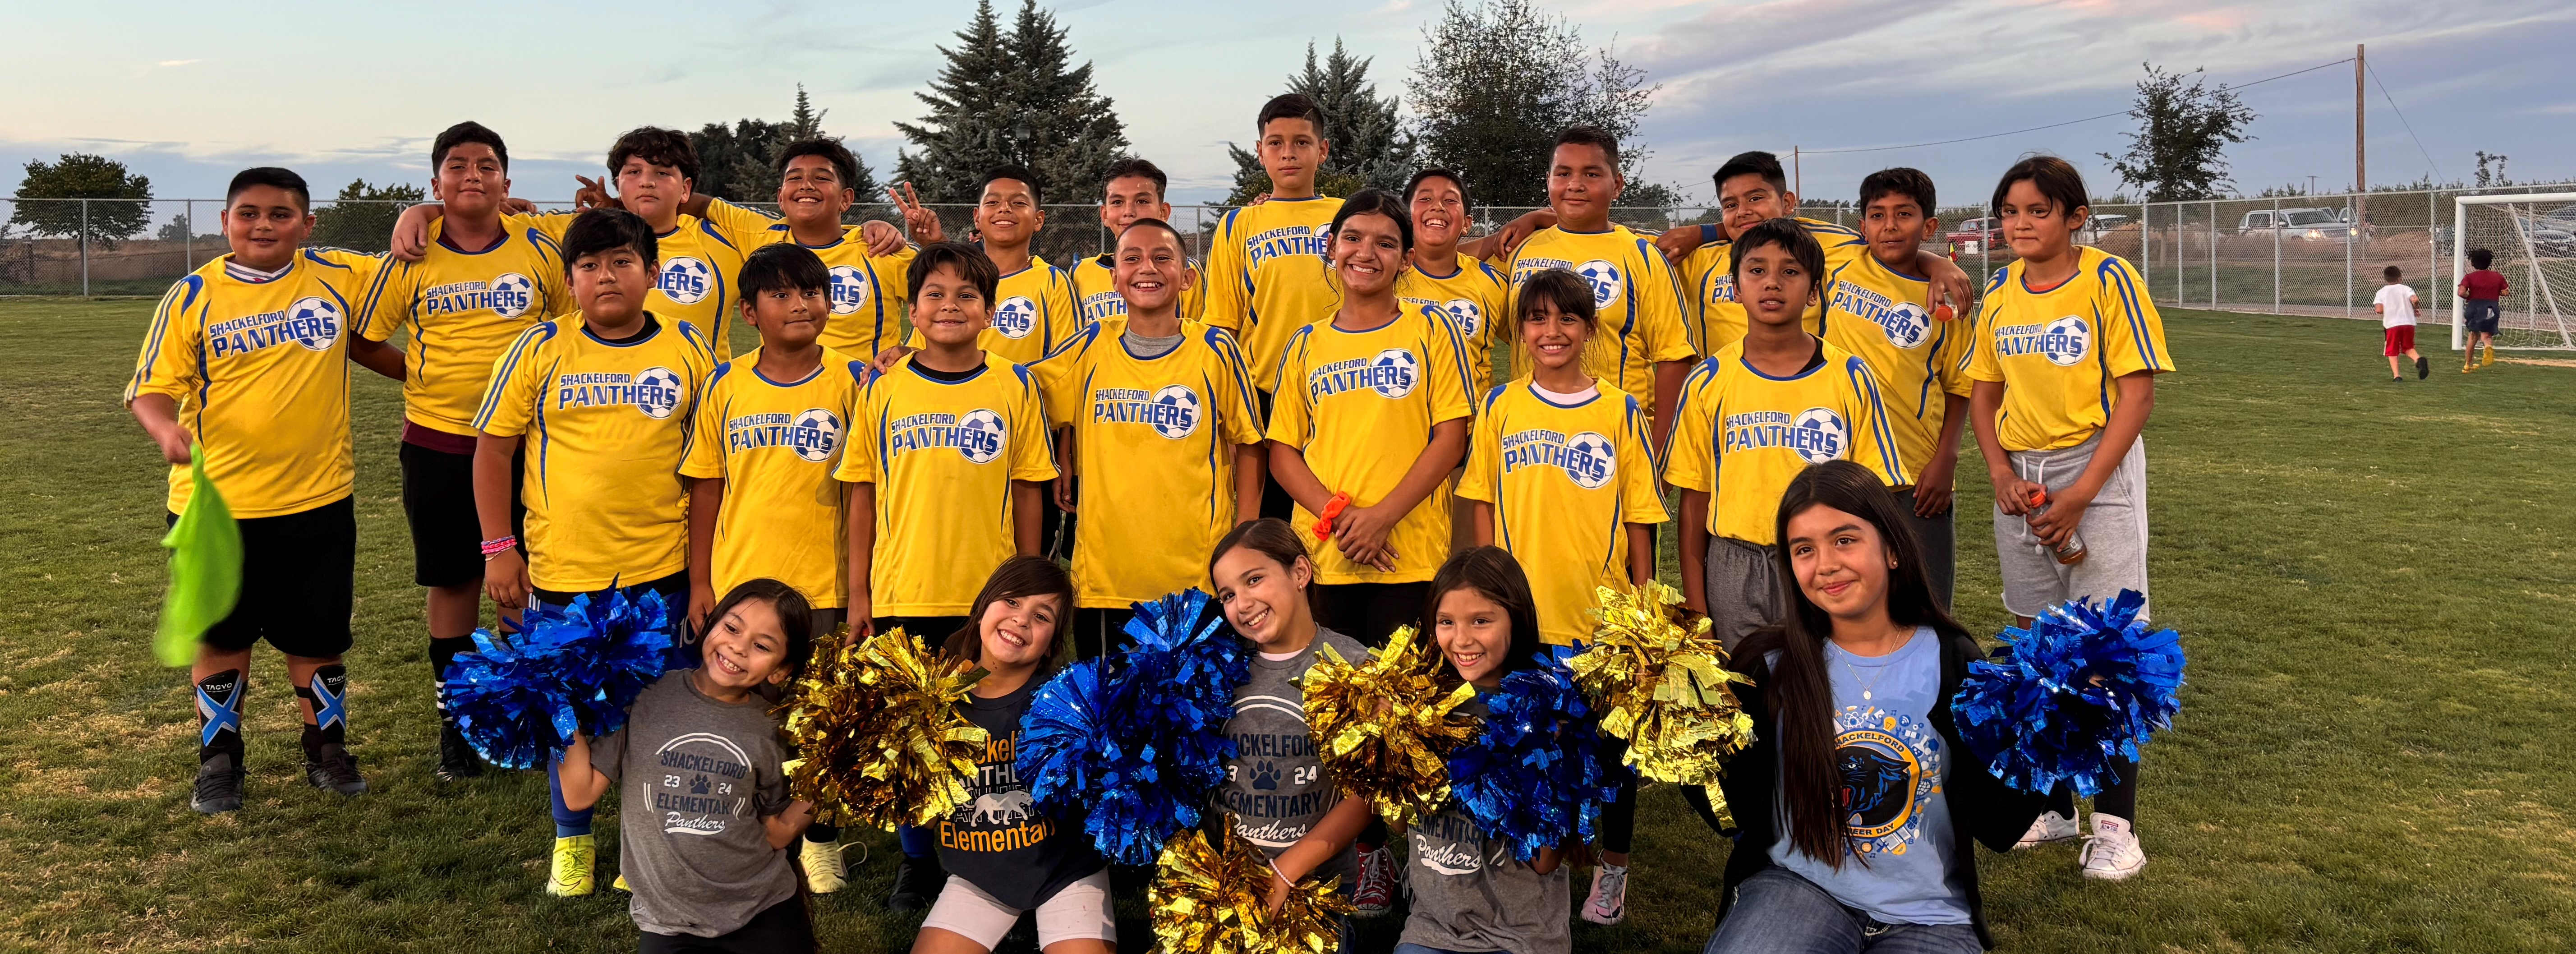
x,y
1207,901
1663,690
1385,726
878,738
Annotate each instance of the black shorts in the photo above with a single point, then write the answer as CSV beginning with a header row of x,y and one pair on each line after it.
x,y
438,501
1097,631
1370,612
299,572
2479,317
783,928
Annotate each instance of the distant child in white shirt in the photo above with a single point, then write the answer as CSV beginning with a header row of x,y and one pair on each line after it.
x,y
2396,307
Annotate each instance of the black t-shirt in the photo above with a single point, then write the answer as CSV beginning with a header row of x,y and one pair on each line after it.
x,y
1000,841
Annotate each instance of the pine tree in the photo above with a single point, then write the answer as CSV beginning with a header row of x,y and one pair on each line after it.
x,y
1011,99
1073,131
739,163
806,122
1370,147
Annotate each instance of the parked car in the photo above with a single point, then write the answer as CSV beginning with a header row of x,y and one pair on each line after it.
x,y
2102,224
2297,224
1974,236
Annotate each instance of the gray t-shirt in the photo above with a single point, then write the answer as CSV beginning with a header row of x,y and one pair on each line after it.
x,y
695,777
1893,765
1155,347
1470,894
1276,788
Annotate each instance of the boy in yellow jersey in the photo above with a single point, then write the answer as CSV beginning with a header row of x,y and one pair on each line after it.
x,y
1644,348
769,431
866,261
1753,189
1159,414
1756,414
1267,271
1133,192
1370,420
1878,308
1562,475
2063,362
482,281
1446,276
247,360
607,394
945,472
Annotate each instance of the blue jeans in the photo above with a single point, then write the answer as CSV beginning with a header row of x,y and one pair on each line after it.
x,y
1778,912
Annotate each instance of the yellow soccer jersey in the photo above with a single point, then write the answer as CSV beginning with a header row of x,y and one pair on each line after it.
x,y
260,371
2058,352
1095,291
1709,273
1032,313
1634,297
867,291
774,444
1268,275
699,263
1760,431
1361,405
942,456
1472,293
461,309
1565,481
606,425
1884,316
1156,438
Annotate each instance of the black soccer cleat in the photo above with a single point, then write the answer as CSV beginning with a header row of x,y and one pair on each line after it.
x,y
456,758
916,884
219,785
2423,367
332,769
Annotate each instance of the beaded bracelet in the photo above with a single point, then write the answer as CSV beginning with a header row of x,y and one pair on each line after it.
x,y
493,548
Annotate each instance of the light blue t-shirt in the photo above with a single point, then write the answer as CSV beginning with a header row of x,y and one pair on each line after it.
x,y
1893,765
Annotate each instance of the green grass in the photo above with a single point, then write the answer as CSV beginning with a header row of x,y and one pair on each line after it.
x,y
2372,580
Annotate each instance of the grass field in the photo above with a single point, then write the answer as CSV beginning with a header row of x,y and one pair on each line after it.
x,y
2372,578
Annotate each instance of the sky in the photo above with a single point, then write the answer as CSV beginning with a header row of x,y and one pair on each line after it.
x,y
188,93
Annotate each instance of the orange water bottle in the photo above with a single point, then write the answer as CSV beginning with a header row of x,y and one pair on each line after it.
x,y
2070,552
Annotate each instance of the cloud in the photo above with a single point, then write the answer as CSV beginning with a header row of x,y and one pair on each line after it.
x,y
166,64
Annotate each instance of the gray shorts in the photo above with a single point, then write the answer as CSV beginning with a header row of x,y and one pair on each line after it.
x,y
1743,588
1939,538
2114,529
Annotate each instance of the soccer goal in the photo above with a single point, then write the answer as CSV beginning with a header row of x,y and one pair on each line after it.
x,y
2533,238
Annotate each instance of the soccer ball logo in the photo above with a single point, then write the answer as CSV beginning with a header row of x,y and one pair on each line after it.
x,y
1819,435
512,295
313,323
1182,417
1906,325
657,392
1588,460
1394,373
1606,281
985,435
2066,341
1466,314
849,289
814,434
686,280
1016,317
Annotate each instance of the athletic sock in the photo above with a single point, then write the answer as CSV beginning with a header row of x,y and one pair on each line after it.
x,y
916,841
219,715
329,692
442,654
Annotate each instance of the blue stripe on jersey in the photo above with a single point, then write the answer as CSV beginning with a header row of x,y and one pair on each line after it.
x,y
1858,371
2119,278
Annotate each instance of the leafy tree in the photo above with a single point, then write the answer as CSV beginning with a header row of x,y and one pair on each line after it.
x,y
79,175
2184,128
1370,147
1496,83
1012,98
2492,178
739,163
363,215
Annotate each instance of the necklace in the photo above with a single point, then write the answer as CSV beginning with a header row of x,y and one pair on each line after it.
x,y
1869,687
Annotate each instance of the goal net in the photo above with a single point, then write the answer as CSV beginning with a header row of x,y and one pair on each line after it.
x,y
2533,239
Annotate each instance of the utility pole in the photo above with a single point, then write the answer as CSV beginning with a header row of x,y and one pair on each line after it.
x,y
1797,178
2360,145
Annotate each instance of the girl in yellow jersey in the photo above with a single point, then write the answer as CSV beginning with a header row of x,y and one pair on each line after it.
x,y
1370,418
1562,474
2064,361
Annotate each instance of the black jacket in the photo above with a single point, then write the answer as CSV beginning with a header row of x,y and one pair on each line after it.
x,y
1982,808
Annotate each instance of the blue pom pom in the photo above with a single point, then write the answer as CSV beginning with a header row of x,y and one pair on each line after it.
x,y
2034,714
574,669
1133,743
1537,775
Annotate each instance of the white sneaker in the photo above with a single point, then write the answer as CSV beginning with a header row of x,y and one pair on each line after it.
x,y
2049,829
2113,853
824,870
1609,901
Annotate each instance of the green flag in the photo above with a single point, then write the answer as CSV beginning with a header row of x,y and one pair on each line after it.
x,y
205,568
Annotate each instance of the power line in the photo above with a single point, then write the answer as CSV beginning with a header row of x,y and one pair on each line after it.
x,y
2070,122
2401,120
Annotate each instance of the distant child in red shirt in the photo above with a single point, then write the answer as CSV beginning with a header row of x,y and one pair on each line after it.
x,y
2396,307
2481,303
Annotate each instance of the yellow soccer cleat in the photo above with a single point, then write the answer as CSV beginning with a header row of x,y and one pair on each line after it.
x,y
620,884
573,859
2488,360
